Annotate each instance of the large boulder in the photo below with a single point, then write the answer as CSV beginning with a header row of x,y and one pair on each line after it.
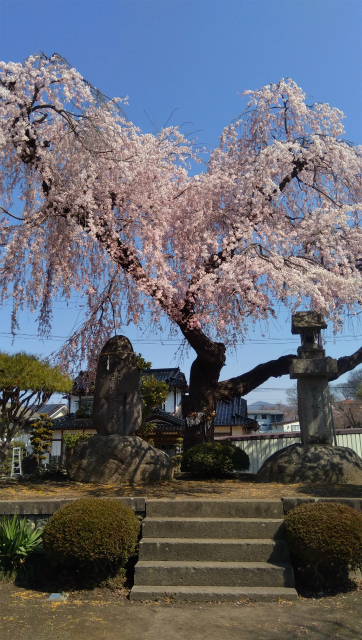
x,y
117,398
312,463
119,459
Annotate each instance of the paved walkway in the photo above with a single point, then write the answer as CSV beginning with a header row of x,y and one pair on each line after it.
x,y
100,615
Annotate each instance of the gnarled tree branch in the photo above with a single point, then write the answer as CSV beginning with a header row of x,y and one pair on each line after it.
x,y
246,382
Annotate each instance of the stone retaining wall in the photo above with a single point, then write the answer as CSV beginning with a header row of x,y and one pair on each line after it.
x,y
39,511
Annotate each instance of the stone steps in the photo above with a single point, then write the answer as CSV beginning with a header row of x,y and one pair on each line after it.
x,y
204,550
221,574
220,550
248,528
213,594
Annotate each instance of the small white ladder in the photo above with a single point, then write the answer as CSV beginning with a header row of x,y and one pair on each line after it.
x,y
16,459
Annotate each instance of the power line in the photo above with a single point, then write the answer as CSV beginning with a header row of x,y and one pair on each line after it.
x,y
175,342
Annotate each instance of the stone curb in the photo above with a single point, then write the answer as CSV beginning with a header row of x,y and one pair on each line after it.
x,y
48,507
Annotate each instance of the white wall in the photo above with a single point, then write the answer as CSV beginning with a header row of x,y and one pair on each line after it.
x,y
259,449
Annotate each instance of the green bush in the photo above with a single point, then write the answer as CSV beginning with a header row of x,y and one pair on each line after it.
x,y
214,459
325,539
93,536
18,539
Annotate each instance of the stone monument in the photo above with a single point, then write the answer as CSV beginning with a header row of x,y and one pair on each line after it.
x,y
315,459
115,454
117,400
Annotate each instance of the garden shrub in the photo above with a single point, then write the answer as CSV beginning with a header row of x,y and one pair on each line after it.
x,y
214,459
91,536
18,539
325,539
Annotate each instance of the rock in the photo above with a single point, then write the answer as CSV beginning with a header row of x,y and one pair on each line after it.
x,y
117,399
116,459
312,463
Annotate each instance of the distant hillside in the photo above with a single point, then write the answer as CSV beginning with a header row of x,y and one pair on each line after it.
x,y
255,406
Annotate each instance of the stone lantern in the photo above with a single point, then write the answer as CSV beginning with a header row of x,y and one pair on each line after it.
x,y
313,370
314,459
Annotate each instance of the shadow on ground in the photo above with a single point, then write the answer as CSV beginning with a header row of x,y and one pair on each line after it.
x,y
181,487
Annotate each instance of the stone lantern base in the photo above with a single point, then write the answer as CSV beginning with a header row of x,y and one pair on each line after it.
x,y
114,459
318,463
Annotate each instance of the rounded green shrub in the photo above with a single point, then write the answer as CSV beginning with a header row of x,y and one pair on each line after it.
x,y
325,539
214,459
94,535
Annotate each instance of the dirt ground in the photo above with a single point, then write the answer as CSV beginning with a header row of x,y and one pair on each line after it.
x,y
180,487
101,615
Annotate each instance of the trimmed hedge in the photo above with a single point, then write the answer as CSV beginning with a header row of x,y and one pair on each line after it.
x,y
325,539
93,535
214,459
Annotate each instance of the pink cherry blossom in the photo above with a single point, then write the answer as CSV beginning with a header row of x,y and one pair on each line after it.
x,y
116,215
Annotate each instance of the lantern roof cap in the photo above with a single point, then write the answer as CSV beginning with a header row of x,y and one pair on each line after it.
x,y
306,321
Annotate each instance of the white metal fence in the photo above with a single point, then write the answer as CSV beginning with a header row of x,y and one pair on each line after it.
x,y
260,446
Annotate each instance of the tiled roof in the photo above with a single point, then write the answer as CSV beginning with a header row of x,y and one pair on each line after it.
x,y
163,417
71,422
173,377
165,426
51,408
232,413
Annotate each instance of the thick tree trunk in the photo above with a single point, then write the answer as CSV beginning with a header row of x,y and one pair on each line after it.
x,y
199,406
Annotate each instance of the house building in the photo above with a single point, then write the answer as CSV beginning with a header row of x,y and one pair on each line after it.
x,y
232,420
177,386
68,424
53,411
287,426
267,415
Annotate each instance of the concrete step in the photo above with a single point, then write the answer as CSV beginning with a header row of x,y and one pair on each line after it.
x,y
228,574
163,527
213,594
214,508
224,550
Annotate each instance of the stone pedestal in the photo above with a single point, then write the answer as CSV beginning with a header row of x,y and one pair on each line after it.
x,y
312,464
116,459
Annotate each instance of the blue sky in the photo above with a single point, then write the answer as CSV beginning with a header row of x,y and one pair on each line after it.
x,y
195,56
